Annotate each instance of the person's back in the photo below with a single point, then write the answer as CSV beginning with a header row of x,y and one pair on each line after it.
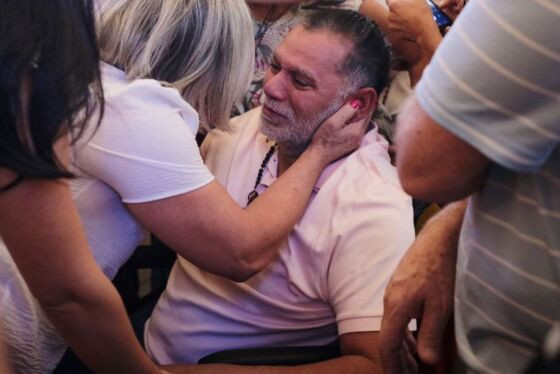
x,y
119,151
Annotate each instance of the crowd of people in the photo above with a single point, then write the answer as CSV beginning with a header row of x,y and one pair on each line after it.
x,y
283,150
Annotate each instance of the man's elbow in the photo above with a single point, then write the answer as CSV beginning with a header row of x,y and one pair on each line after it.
x,y
419,187
433,188
417,182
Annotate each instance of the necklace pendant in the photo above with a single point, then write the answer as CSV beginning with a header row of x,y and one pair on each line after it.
x,y
252,196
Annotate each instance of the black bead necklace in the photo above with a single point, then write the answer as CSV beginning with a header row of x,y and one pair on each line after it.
x,y
254,194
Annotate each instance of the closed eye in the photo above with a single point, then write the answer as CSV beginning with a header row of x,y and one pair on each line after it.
x,y
274,67
300,84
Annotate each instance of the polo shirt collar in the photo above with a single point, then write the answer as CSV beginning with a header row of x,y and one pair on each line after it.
x,y
270,173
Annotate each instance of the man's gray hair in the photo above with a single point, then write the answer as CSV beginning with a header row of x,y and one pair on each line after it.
x,y
203,48
369,60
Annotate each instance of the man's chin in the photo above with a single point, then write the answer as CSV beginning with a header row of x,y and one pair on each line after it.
x,y
266,120
269,129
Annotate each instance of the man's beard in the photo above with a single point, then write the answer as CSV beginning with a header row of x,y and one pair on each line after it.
x,y
296,135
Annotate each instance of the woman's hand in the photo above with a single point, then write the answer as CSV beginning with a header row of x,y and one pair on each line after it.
x,y
340,134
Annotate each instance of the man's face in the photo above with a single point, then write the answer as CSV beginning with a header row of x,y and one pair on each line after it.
x,y
303,86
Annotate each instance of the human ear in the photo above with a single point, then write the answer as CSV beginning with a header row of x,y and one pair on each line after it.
x,y
367,97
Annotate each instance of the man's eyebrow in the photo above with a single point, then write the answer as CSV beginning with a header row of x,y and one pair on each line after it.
x,y
296,70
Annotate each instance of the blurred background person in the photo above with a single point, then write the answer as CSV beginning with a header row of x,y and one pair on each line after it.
x,y
413,21
48,59
486,112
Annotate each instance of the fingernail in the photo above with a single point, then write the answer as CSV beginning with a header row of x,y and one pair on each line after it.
x,y
356,104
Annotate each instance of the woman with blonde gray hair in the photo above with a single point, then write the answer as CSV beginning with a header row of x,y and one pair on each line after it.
x,y
169,67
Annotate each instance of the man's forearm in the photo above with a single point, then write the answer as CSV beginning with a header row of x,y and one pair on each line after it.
x,y
447,225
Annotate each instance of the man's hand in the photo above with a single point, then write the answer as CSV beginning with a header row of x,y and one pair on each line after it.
x,y
412,20
422,287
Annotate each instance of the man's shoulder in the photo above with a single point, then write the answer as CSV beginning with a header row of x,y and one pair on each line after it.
x,y
369,168
230,155
243,128
364,181
249,119
245,125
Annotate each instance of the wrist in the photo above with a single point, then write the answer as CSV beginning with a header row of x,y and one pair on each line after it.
x,y
444,228
316,156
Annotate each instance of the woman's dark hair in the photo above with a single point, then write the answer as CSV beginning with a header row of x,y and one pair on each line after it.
x,y
52,45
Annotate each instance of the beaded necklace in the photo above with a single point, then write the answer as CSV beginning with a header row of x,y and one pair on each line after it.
x,y
254,194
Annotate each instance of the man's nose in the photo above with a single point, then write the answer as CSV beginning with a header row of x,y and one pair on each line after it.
x,y
274,85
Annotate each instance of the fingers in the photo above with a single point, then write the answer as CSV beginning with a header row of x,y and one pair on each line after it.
x,y
355,130
408,352
341,117
397,365
356,127
341,123
410,342
399,308
391,338
431,332
339,134
404,361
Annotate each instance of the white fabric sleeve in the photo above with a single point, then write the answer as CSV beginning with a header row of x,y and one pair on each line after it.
x,y
147,156
371,230
500,94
